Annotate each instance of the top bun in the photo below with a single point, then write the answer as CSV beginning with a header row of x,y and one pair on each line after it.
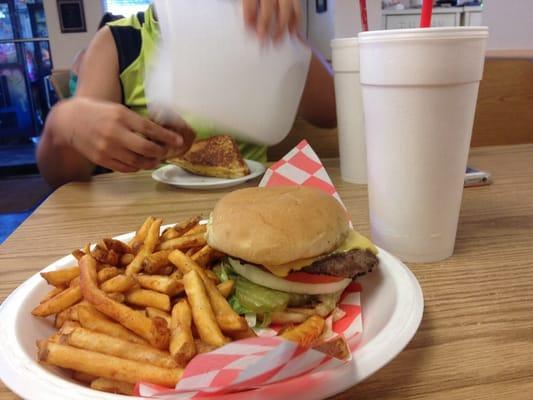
x,y
277,225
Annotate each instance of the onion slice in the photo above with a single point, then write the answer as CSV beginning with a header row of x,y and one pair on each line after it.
x,y
266,279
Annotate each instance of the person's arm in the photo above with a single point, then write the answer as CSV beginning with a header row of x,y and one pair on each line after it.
x,y
93,128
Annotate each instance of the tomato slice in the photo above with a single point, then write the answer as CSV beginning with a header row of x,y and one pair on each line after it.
x,y
304,277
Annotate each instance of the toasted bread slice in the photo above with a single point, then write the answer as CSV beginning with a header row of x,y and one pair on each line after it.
x,y
217,156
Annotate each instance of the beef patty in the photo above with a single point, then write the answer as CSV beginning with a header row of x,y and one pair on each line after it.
x,y
350,264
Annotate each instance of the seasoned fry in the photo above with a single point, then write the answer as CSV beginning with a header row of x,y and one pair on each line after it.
x,y
78,254
153,330
203,347
106,366
168,270
160,283
120,283
100,343
118,297
182,346
140,235
169,233
62,276
184,242
116,245
196,229
202,313
107,273
191,251
228,320
239,335
148,298
81,377
307,332
337,348
150,243
205,256
113,386
52,293
226,288
58,303
126,259
155,312
92,319
156,261
105,256
182,227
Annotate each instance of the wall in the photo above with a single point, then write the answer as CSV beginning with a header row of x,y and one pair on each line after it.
x,y
65,46
510,23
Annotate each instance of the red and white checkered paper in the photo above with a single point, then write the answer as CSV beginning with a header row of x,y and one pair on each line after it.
x,y
258,362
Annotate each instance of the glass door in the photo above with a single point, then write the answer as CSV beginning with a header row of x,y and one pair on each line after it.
x,y
24,63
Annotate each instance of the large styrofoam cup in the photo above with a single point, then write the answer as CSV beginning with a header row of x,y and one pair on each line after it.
x,y
214,73
420,90
350,122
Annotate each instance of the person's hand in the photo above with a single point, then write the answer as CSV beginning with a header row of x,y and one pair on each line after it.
x,y
272,17
114,137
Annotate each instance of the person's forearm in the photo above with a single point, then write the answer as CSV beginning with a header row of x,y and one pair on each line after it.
x,y
318,99
58,160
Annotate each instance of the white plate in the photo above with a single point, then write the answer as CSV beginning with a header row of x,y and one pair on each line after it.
x,y
392,304
174,175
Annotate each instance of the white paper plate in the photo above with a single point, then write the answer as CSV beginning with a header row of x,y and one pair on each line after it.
x,y
392,304
174,175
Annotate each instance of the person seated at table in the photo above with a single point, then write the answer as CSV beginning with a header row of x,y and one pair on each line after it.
x,y
78,59
106,123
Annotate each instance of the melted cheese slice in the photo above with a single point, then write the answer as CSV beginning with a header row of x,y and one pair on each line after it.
x,y
354,241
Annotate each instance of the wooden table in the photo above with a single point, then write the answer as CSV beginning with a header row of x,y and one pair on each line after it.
x,y
476,338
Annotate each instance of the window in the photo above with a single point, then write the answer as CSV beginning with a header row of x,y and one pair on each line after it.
x,y
125,7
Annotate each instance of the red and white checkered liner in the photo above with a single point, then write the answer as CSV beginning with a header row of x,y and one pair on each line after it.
x,y
262,361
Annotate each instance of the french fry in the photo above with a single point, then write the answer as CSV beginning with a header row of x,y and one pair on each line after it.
x,y
92,319
62,276
126,259
226,288
337,348
183,242
155,312
284,317
168,270
107,273
160,283
182,227
69,325
191,251
156,261
182,346
116,245
78,254
84,378
239,335
202,312
113,386
196,229
100,343
203,347
119,283
140,235
52,293
211,275
153,330
307,332
105,256
150,242
105,365
148,298
58,303
205,256
116,296
169,233
228,320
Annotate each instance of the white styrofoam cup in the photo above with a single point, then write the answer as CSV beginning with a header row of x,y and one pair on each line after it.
x,y
419,90
350,122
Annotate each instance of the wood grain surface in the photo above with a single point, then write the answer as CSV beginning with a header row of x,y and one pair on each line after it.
x,y
476,337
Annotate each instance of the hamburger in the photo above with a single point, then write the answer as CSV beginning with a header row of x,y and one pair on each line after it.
x,y
290,250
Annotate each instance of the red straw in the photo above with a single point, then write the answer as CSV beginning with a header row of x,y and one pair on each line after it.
x,y
427,9
364,15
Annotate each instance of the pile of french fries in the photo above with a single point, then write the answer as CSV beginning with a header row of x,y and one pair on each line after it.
x,y
140,311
